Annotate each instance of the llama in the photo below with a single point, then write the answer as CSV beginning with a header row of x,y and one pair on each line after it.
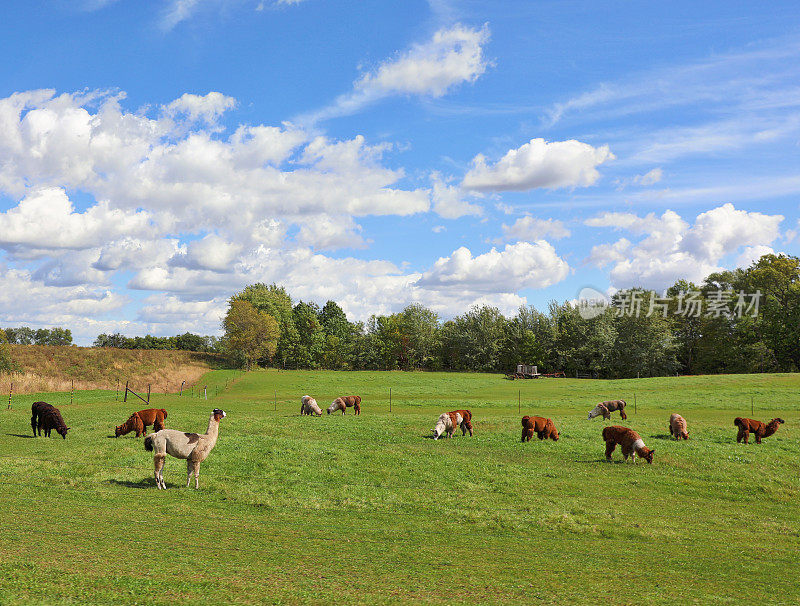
x,y
607,407
48,417
448,421
190,446
759,429
139,421
309,406
631,442
544,428
677,427
344,403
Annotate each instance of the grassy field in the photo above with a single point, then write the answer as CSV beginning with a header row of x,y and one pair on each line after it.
x,y
365,509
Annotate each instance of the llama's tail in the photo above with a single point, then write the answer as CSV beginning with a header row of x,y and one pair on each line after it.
x,y
148,443
738,421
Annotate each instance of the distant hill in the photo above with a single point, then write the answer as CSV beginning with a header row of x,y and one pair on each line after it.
x,y
47,368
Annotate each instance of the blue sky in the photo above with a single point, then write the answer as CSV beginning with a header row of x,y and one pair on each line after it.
x,y
155,157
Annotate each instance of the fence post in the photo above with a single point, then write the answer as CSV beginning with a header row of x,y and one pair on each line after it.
x,y
752,406
125,399
72,393
182,384
116,395
10,391
390,399
519,400
148,393
634,403
205,392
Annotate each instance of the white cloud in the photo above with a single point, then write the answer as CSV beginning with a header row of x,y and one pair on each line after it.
x,y
521,265
673,249
650,178
331,233
46,219
539,164
452,56
751,254
532,228
208,108
448,200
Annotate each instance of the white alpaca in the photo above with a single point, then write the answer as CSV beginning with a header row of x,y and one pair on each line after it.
x,y
447,423
190,446
309,406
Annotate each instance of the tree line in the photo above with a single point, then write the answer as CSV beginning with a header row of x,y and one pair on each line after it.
x,y
744,320
186,342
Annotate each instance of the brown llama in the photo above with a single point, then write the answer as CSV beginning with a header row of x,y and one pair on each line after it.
x,y
139,421
631,442
544,428
677,427
48,417
607,407
448,421
759,429
344,403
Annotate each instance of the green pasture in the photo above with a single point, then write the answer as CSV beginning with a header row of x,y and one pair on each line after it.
x,y
351,510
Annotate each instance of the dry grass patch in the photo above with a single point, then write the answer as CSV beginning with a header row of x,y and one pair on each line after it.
x,y
53,368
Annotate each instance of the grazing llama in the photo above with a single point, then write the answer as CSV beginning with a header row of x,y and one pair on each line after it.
x,y
677,427
139,421
344,403
544,428
309,406
759,429
48,417
631,442
190,446
448,421
607,407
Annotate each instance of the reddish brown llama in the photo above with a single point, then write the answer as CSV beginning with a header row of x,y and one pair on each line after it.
x,y
543,428
631,442
759,429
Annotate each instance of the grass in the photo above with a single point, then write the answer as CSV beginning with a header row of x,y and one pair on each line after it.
x,y
365,509
46,368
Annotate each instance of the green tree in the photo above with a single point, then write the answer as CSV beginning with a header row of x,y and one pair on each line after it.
x,y
250,334
310,335
275,301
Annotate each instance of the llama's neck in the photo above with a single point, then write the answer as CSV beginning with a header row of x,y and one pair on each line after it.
x,y
638,447
771,428
212,432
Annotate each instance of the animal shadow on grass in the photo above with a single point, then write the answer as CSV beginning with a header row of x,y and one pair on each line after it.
x,y
18,435
144,483
662,436
597,461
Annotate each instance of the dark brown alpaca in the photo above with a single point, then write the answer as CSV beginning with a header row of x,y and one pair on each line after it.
x,y
759,429
139,421
544,428
631,442
46,416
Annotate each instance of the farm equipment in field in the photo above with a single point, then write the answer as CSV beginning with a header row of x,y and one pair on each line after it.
x,y
529,371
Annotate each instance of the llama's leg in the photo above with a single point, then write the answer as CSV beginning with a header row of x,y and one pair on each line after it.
x,y
610,446
192,467
746,436
158,463
758,437
33,425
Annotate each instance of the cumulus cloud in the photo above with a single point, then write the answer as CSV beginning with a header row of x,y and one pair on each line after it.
x,y
449,201
533,228
672,248
46,219
517,266
452,56
539,164
208,108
